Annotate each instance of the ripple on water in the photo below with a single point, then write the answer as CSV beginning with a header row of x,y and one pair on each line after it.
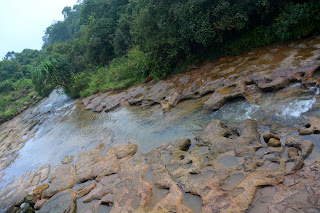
x,y
69,129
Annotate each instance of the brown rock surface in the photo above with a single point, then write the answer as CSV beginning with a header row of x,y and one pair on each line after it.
x,y
268,136
61,178
245,76
313,126
40,189
292,152
62,202
220,171
93,164
40,204
299,192
304,146
274,142
67,159
86,190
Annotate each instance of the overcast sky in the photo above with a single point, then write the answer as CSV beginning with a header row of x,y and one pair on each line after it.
x,y
23,22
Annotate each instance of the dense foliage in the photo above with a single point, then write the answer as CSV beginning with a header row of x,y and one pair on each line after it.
x,y
16,89
111,44
101,39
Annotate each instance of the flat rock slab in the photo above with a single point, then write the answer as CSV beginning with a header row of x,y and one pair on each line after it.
x,y
62,178
62,202
248,76
93,164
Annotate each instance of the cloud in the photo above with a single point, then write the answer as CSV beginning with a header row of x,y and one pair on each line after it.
x,y
22,23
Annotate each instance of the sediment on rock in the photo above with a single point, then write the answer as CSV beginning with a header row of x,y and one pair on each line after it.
x,y
246,76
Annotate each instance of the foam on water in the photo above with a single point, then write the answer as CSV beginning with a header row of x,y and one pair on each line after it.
x,y
70,129
298,107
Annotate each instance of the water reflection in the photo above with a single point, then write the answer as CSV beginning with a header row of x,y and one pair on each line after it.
x,y
68,129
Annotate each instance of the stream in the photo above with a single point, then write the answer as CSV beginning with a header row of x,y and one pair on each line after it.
x,y
69,129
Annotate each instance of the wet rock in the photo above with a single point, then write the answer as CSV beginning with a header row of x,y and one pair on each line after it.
x,y
12,209
292,152
206,168
215,136
298,163
219,98
40,204
25,208
294,90
305,131
44,172
172,201
214,128
274,142
67,159
305,146
104,187
125,190
312,127
123,151
28,179
173,99
248,132
268,136
302,195
40,189
93,164
165,106
86,190
246,77
90,164
64,202
62,178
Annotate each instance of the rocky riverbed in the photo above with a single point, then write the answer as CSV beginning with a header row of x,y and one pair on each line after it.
x,y
243,132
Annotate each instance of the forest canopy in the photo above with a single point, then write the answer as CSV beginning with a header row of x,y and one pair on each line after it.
x,y
111,44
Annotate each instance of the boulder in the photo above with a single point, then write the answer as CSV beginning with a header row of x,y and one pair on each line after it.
x,y
292,152
219,98
268,136
62,178
305,146
274,142
61,202
312,127
86,190
67,159
40,189
93,164
40,204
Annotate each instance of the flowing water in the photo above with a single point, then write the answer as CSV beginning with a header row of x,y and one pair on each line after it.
x,y
68,129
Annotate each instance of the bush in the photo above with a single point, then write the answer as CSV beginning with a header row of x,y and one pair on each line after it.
x,y
6,86
121,73
298,20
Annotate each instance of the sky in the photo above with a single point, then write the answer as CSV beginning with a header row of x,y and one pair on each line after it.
x,y
23,22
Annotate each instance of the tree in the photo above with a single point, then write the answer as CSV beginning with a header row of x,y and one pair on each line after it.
x,y
50,73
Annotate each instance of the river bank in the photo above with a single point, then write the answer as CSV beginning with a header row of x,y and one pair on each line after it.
x,y
239,134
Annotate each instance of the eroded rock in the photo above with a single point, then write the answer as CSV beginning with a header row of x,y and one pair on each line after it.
x,y
93,164
61,178
40,189
304,146
40,204
62,202
274,142
67,159
312,127
269,136
292,152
